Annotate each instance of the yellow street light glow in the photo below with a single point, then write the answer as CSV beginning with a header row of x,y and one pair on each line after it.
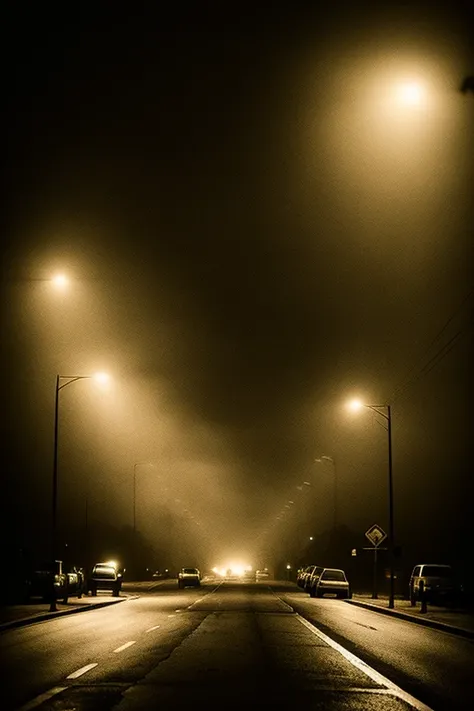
x,y
101,377
355,404
60,281
410,94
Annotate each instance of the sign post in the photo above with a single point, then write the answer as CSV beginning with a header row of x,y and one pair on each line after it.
x,y
376,535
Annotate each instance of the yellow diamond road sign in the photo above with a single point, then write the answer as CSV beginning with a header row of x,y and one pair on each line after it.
x,y
376,535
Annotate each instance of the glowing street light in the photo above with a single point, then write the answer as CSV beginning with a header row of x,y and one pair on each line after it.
x,y
100,377
60,281
68,379
355,405
385,412
410,93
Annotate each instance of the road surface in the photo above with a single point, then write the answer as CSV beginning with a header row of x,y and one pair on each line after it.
x,y
247,644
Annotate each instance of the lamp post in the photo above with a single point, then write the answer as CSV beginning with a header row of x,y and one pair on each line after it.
x,y
101,377
386,413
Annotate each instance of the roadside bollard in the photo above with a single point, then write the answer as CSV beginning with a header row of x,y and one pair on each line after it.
x,y
423,597
53,606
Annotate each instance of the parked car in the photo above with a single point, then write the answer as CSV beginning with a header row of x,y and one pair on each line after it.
x,y
76,582
333,581
312,580
437,580
299,577
189,577
46,578
306,577
105,576
262,574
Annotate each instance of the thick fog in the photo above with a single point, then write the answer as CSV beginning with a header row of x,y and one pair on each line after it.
x,y
260,217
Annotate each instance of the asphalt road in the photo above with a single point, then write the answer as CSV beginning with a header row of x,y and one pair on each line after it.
x,y
232,644
434,666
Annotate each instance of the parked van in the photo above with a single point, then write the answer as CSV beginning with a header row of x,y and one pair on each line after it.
x,y
436,579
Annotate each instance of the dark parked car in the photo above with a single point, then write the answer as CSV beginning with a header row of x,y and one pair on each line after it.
x,y
76,582
189,577
105,576
312,580
305,577
47,579
438,582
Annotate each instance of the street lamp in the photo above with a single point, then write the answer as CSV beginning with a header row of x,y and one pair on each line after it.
x,y
410,93
60,281
385,412
101,378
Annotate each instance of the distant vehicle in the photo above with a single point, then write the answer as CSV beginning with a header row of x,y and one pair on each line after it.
x,y
262,574
312,580
189,577
105,576
437,580
250,575
46,578
333,581
161,575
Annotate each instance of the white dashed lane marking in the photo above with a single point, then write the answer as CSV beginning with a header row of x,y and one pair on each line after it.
x,y
124,646
82,671
152,628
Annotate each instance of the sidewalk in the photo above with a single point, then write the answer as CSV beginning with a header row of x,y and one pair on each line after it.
x,y
455,620
26,614
37,611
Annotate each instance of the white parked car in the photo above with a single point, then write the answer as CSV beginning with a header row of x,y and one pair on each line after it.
x,y
333,581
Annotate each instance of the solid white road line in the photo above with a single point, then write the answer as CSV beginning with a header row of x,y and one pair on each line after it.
x,y
42,698
152,628
82,671
124,646
363,667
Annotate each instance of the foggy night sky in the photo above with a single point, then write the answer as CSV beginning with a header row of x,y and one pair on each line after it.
x,y
256,229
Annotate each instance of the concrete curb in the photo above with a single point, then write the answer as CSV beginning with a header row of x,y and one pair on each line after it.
x,y
43,617
443,626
